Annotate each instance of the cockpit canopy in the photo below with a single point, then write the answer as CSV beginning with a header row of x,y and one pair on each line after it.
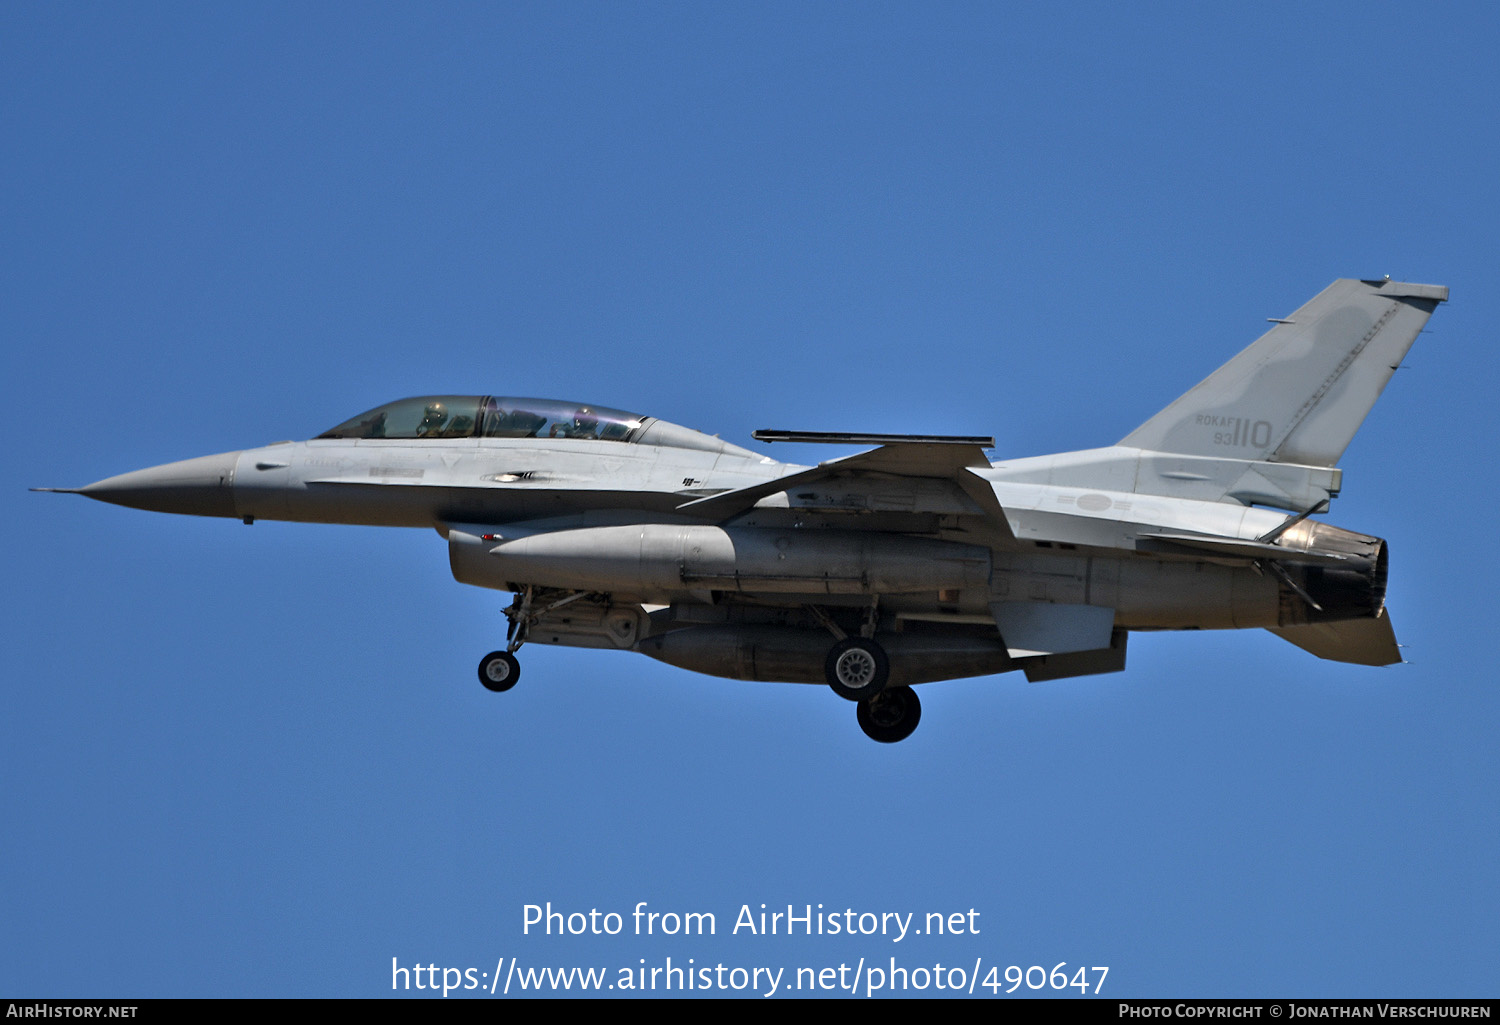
x,y
490,416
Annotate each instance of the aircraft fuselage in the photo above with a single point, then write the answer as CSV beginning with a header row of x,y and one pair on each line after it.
x,y
917,560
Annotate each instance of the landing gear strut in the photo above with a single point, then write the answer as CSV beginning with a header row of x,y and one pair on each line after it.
x,y
857,668
890,716
499,670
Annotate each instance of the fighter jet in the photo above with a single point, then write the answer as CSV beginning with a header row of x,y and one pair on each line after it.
x,y
914,561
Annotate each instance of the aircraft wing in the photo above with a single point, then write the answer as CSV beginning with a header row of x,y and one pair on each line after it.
x,y
916,456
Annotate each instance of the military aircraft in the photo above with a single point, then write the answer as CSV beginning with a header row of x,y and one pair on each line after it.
x,y
914,561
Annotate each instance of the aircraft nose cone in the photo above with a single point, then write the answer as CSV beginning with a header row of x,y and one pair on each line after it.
x,y
199,487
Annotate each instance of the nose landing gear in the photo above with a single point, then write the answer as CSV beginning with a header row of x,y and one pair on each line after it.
x,y
499,671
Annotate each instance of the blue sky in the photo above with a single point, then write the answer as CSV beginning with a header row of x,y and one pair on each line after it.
x,y
256,761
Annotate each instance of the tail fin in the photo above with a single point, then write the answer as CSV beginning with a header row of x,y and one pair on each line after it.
x,y
1298,394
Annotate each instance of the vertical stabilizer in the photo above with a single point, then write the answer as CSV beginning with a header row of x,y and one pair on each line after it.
x,y
1298,394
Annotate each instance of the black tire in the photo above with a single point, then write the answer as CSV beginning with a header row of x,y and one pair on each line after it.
x,y
890,716
499,671
857,669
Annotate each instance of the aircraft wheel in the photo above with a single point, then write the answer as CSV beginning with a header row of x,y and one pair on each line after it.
x,y
857,668
499,671
890,716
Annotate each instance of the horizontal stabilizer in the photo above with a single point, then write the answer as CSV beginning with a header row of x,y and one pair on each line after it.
x,y
1364,642
1031,628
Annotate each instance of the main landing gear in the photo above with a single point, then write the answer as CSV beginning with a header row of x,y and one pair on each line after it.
x,y
890,715
858,669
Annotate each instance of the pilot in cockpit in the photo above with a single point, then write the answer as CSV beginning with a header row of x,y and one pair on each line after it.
x,y
585,424
433,418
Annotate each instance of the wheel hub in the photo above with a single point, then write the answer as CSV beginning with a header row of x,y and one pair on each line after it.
x,y
856,668
888,709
